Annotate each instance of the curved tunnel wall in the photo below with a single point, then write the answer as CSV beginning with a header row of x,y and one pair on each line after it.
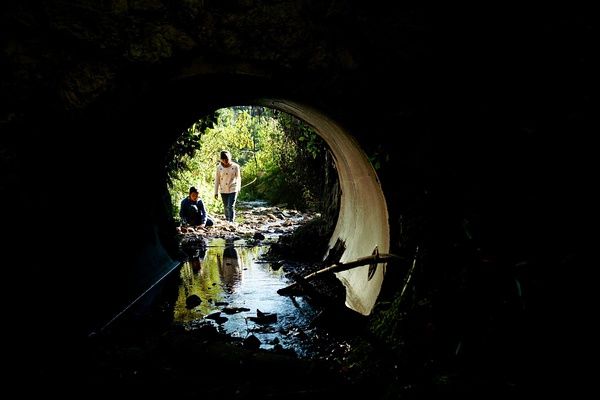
x,y
363,217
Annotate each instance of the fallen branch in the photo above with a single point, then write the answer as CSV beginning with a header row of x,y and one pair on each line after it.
x,y
374,259
409,275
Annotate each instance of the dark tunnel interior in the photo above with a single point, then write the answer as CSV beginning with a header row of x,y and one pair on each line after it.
x,y
479,120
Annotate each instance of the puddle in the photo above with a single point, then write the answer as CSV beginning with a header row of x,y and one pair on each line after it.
x,y
231,275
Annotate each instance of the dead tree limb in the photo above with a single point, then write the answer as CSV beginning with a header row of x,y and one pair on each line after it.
x,y
373,259
409,275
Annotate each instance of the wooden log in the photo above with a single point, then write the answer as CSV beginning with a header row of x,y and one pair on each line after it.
x,y
373,259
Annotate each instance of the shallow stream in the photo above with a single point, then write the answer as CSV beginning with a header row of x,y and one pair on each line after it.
x,y
234,285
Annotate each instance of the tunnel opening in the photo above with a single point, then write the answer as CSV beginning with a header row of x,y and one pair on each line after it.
x,y
288,190
335,237
360,219
283,161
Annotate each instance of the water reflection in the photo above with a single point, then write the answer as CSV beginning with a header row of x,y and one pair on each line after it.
x,y
231,276
230,269
195,264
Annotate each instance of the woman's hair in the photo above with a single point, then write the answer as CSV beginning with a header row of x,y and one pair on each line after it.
x,y
225,155
193,190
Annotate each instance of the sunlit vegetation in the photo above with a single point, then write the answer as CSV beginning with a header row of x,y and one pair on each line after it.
x,y
281,158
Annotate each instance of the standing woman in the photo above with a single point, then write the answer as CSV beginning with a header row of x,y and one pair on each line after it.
x,y
228,182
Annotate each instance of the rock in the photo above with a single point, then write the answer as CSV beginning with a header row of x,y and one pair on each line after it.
x,y
252,343
193,301
264,318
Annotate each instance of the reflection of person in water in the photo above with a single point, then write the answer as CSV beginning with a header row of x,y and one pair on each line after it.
x,y
229,267
195,255
196,264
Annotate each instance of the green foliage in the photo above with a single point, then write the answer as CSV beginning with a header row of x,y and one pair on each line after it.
x,y
299,158
279,158
185,147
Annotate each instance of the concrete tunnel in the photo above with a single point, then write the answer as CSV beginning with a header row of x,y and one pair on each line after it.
x,y
481,136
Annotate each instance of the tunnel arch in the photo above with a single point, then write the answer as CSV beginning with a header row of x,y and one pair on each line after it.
x,y
362,225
